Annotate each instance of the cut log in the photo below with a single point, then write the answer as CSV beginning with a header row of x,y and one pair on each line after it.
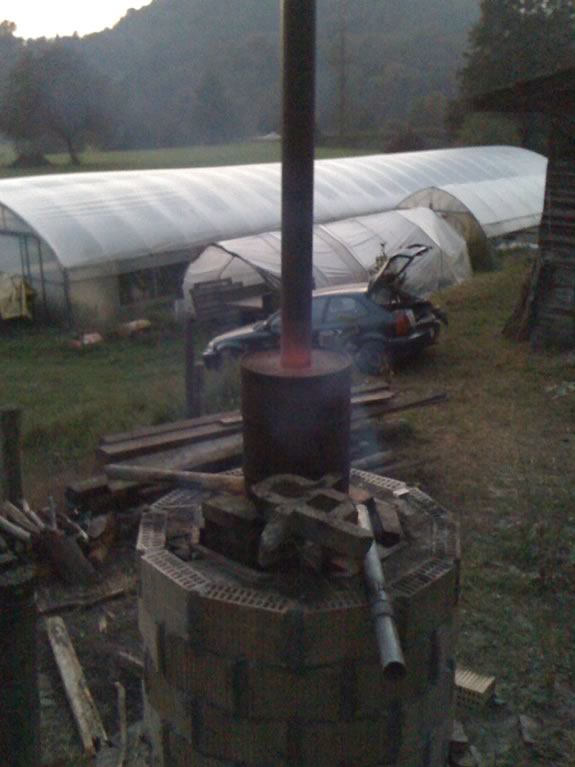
x,y
19,518
14,531
88,721
32,516
66,557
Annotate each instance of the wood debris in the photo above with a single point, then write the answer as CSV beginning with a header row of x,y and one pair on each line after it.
x,y
86,716
123,724
111,588
527,728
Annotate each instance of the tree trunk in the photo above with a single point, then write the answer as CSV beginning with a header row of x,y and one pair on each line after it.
x,y
74,158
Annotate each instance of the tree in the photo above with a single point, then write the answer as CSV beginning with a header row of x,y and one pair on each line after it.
x,y
518,40
513,40
20,116
52,96
213,117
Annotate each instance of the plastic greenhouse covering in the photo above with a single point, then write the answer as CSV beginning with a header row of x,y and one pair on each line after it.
x,y
345,251
103,222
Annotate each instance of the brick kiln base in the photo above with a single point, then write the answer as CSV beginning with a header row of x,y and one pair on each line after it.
x,y
242,671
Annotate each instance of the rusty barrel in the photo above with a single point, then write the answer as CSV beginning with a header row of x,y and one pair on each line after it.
x,y
296,421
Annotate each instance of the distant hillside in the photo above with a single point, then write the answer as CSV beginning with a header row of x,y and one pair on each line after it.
x,y
201,71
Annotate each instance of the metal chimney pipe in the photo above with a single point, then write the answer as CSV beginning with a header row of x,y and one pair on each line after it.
x,y
298,32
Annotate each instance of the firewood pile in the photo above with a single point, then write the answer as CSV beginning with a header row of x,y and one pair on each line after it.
x,y
71,545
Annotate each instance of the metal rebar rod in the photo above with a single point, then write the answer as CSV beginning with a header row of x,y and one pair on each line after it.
x,y
388,644
298,33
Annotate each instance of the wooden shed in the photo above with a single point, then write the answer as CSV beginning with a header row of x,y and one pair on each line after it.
x,y
546,312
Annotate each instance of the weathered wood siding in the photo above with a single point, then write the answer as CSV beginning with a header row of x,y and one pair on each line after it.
x,y
554,320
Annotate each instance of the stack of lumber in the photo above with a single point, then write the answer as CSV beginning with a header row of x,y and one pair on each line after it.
x,y
214,443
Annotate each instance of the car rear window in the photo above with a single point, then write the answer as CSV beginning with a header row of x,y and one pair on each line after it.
x,y
345,309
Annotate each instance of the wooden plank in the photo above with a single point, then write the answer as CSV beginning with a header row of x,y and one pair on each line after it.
x,y
113,588
227,418
373,386
122,451
88,721
388,408
371,398
167,428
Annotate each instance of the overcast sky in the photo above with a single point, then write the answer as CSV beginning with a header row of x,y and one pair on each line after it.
x,y
48,18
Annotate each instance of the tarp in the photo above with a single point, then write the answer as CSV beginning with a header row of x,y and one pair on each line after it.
x,y
15,297
106,221
344,252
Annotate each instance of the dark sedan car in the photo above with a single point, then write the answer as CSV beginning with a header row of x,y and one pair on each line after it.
x,y
368,324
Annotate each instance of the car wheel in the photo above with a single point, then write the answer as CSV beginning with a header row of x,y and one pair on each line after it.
x,y
372,358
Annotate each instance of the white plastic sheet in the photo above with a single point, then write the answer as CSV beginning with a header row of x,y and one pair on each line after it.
x,y
109,220
345,252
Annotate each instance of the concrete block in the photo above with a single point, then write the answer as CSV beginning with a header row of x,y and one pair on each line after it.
x,y
339,628
170,704
170,592
228,510
199,674
361,743
424,599
276,693
154,730
152,531
151,633
374,693
253,743
238,621
183,754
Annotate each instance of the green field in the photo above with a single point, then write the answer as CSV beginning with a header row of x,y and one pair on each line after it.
x,y
179,157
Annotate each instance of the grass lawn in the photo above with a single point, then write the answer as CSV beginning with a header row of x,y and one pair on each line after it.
x,y
500,453
178,157
503,458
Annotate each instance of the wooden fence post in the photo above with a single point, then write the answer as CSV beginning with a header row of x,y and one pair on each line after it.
x,y
19,700
194,374
10,455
